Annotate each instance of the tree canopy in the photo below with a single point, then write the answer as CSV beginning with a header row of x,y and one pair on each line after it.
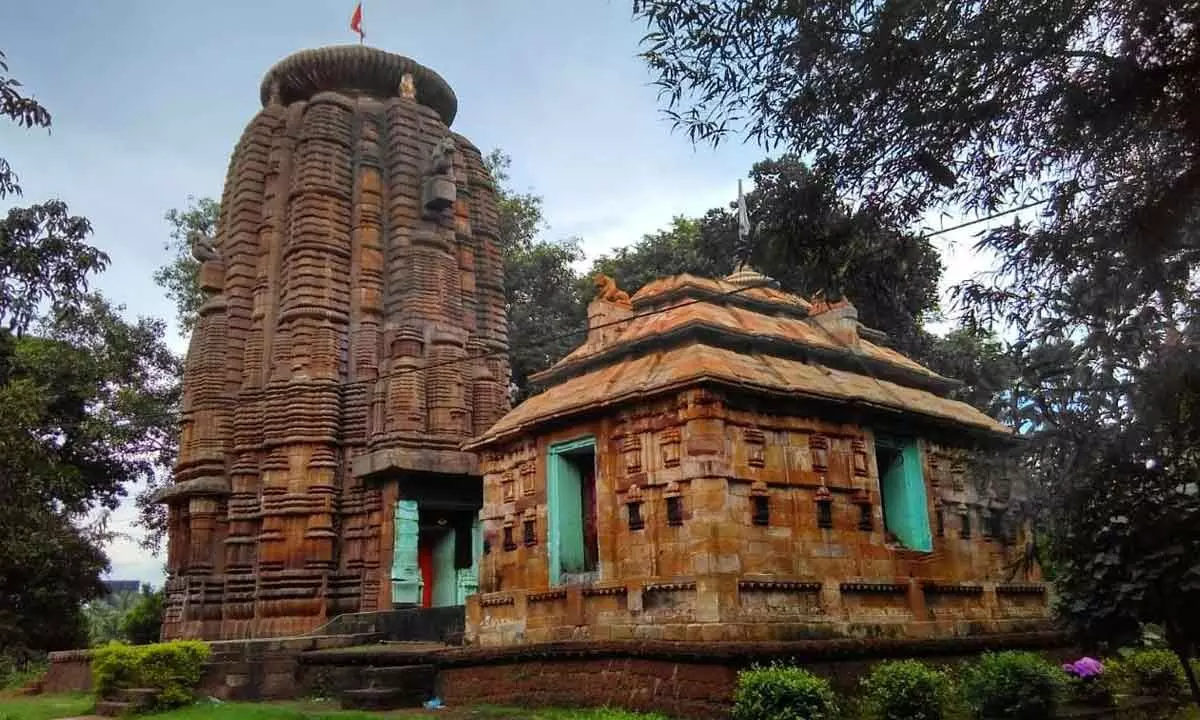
x,y
1084,114
180,276
979,107
86,400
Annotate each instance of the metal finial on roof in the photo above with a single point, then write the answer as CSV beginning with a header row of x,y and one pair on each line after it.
x,y
745,275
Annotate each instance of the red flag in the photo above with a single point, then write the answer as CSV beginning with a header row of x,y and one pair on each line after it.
x,y
356,22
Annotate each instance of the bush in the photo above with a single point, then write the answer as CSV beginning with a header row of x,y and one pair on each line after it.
x,y
143,622
173,669
906,690
1091,682
1013,685
1153,673
782,693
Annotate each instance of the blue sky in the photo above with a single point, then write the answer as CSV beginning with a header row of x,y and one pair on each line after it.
x,y
148,99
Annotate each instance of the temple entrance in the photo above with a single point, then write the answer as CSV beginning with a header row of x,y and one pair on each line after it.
x,y
902,492
574,546
436,543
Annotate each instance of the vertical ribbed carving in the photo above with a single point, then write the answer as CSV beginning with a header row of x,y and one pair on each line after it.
x,y
342,319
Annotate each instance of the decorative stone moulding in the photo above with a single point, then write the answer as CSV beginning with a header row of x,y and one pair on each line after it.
x,y
885,588
547,595
1021,589
600,591
497,600
936,588
669,587
779,585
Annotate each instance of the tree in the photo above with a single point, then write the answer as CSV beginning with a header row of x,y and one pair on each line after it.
x,y
976,357
25,112
142,624
810,241
978,107
542,290
1132,515
180,277
85,399
1076,109
699,246
105,614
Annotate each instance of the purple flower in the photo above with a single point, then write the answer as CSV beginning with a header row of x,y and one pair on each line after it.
x,y
1084,667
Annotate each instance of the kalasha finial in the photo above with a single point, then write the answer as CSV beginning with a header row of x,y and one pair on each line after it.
x,y
408,88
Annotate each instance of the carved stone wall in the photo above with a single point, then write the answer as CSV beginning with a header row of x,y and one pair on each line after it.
x,y
354,270
778,534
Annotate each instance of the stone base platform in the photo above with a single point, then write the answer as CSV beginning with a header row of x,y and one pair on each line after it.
x,y
680,679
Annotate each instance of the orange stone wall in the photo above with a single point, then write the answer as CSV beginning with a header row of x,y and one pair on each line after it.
x,y
338,308
720,576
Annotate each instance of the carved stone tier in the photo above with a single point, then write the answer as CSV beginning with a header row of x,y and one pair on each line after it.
x,y
332,356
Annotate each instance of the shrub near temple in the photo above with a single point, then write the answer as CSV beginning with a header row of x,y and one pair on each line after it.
x,y
906,690
1017,685
171,669
1153,673
782,693
1091,682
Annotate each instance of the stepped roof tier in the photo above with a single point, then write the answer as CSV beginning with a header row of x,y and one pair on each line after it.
x,y
741,332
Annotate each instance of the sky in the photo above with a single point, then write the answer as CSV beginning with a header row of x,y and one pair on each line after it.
x,y
148,99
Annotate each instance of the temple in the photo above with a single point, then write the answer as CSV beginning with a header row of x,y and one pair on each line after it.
x,y
723,461
352,339
718,461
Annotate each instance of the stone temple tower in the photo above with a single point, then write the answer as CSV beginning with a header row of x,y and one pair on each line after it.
x,y
352,339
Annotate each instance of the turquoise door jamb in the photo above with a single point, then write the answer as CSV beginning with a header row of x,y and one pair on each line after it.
x,y
564,502
906,508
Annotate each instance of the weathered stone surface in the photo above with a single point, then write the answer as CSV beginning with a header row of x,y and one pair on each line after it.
x,y
738,493
336,337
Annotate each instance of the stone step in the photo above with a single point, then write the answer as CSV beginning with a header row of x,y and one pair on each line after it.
x,y
383,699
113,708
403,677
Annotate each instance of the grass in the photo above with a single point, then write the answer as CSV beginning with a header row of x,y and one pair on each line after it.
x,y
44,707
51,707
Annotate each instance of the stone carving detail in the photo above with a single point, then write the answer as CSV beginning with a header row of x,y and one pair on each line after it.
x,y
631,447
408,88
339,320
202,247
819,447
439,191
858,447
528,474
755,450
607,290
668,444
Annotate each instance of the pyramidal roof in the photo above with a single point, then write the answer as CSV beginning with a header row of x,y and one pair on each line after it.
x,y
741,332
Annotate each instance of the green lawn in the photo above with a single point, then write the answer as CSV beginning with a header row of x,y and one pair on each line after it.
x,y
44,707
50,707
